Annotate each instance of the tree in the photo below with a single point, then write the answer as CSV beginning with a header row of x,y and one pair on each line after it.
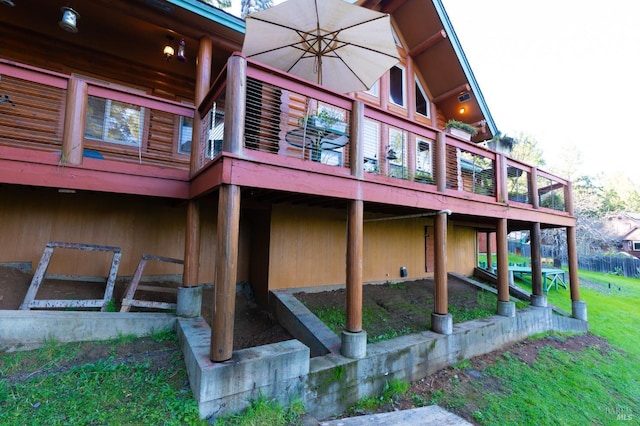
x,y
526,149
220,4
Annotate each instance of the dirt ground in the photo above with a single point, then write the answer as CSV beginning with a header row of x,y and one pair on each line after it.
x,y
407,305
253,326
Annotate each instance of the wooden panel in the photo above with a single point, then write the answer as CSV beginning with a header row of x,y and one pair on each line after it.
x,y
307,247
32,217
461,249
36,119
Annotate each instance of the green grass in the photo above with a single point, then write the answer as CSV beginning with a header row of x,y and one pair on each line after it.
x,y
565,387
263,411
100,393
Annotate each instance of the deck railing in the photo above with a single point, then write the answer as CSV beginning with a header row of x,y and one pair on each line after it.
x,y
277,120
280,115
68,114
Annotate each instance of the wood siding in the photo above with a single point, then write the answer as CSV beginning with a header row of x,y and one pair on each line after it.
x,y
308,248
32,217
36,119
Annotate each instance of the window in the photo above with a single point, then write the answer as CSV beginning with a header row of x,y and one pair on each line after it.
x,y
423,161
371,138
397,154
397,87
186,135
216,132
636,246
114,121
374,90
422,101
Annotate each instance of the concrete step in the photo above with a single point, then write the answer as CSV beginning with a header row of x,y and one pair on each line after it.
x,y
432,415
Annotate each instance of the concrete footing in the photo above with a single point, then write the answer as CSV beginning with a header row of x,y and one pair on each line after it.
x,y
579,310
538,301
189,302
441,323
354,345
506,309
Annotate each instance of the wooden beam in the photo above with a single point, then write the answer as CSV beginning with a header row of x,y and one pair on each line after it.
x,y
572,254
440,240
226,273
203,81
192,245
503,261
451,93
536,263
355,246
428,43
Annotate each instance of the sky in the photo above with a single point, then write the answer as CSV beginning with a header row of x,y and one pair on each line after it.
x,y
562,71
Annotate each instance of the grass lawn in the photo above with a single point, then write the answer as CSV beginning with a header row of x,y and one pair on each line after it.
x,y
580,387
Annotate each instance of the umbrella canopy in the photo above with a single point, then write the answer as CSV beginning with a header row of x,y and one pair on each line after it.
x,y
336,44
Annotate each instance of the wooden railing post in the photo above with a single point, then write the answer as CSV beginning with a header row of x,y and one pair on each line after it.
x,y
203,81
74,121
440,162
357,139
235,108
533,188
502,191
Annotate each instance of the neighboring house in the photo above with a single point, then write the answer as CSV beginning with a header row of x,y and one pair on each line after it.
x,y
625,229
105,141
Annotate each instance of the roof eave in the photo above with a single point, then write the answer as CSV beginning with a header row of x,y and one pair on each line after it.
x,y
211,13
464,63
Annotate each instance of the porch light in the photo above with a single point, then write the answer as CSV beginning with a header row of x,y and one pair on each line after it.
x,y
181,54
391,154
69,20
168,52
7,2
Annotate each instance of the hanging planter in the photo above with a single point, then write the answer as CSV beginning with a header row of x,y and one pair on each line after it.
x,y
462,130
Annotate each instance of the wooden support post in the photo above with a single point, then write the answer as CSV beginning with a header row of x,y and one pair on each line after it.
x,y
74,121
354,266
536,262
235,105
192,245
226,273
503,261
203,81
572,254
440,240
489,253
440,161
357,139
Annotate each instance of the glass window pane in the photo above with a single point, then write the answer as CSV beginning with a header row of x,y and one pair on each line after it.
x,y
422,102
186,135
396,85
114,121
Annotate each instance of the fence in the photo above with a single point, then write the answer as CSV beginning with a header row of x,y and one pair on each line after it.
x,y
625,266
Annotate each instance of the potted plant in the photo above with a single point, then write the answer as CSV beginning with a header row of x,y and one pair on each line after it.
x,y
422,176
460,129
325,119
500,143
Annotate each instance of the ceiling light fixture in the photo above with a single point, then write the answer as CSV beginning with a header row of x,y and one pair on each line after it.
x,y
7,2
69,20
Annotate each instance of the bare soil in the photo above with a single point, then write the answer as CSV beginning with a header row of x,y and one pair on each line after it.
x,y
406,303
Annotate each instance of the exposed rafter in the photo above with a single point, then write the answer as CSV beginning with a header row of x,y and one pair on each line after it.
x,y
451,93
428,43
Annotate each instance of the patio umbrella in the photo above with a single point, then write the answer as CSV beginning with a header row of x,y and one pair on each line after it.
x,y
338,45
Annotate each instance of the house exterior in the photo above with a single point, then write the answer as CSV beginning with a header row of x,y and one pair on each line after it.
x,y
105,140
625,228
